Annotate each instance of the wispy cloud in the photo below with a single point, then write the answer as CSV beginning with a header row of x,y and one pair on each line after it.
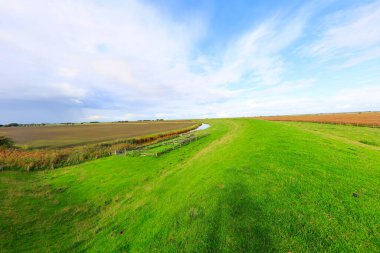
x,y
350,35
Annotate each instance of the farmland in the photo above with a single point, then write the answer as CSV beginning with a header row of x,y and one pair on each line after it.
x,y
247,186
29,159
371,119
71,135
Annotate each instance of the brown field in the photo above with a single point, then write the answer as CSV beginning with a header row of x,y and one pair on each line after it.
x,y
371,119
70,135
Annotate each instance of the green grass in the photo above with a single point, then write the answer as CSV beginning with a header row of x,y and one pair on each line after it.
x,y
365,135
249,186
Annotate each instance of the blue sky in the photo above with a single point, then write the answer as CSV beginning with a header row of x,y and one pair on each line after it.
x,y
103,60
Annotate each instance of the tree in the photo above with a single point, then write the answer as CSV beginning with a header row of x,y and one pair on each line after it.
x,y
12,125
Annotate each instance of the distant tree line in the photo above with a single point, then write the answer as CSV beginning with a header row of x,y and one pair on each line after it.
x,y
141,120
70,123
10,125
23,125
44,124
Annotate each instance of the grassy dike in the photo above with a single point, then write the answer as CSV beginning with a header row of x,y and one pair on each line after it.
x,y
250,185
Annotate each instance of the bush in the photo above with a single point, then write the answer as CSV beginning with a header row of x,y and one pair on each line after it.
x,y
12,125
6,142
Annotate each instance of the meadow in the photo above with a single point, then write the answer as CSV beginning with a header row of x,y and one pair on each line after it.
x,y
248,186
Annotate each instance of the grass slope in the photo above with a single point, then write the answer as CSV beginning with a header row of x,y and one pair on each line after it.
x,y
250,185
350,134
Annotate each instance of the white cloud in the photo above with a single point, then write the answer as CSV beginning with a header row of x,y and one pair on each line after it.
x,y
128,60
362,98
115,69
95,117
65,90
135,116
257,53
352,35
132,52
67,72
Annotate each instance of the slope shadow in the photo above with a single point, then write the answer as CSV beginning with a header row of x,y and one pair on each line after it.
x,y
238,223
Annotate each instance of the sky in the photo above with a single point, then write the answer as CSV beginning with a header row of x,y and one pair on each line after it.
x,y
109,60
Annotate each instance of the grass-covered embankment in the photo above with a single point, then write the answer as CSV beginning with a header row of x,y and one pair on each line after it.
x,y
249,186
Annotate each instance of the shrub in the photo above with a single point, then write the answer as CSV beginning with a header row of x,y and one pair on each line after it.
x,y
6,142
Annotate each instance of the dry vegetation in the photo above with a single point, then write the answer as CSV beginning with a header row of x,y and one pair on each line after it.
x,y
371,119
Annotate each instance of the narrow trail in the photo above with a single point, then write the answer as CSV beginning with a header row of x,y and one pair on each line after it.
x,y
228,137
